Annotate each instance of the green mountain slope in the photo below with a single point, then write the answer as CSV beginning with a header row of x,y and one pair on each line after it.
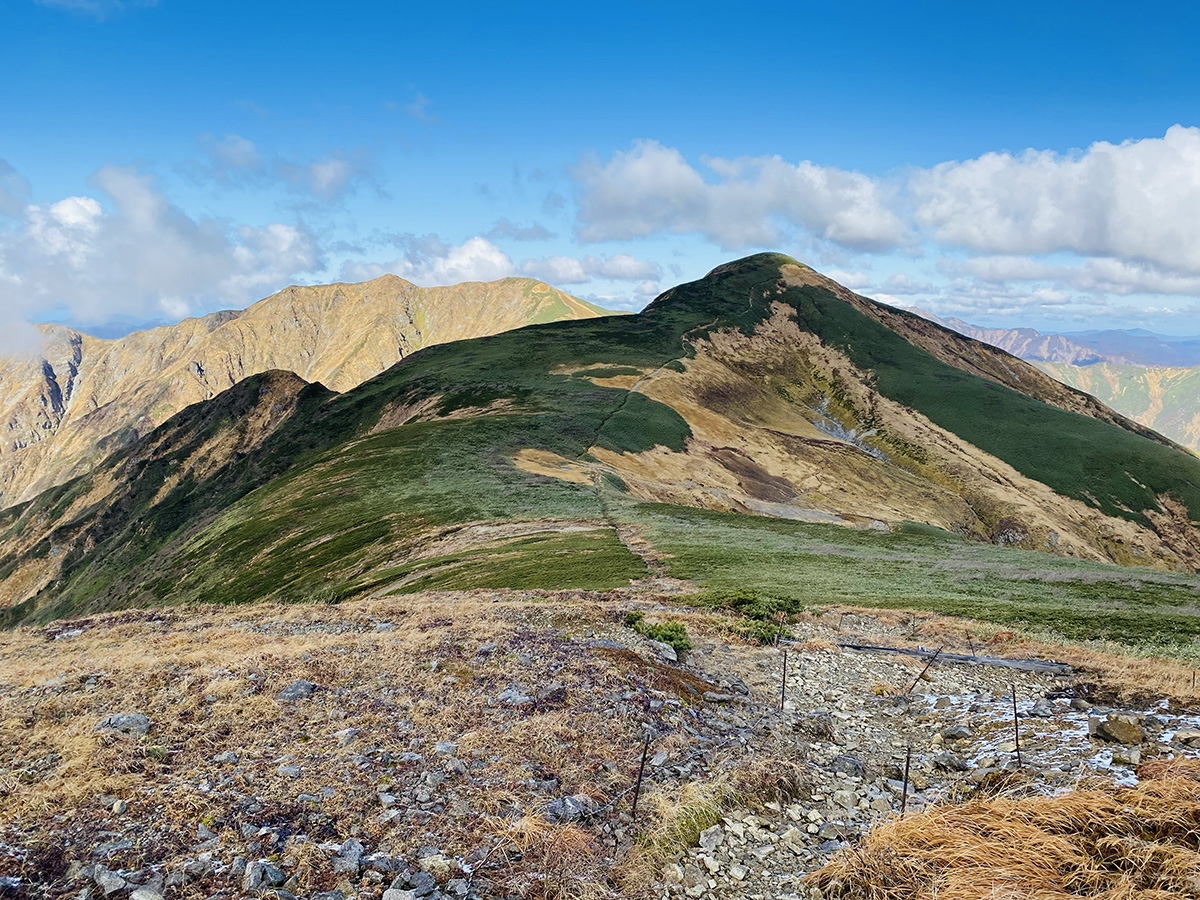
x,y
522,459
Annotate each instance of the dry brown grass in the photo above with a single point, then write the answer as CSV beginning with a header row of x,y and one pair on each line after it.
x,y
1107,843
1119,672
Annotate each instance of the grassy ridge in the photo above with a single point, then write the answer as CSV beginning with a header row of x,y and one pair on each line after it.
x,y
805,564
325,508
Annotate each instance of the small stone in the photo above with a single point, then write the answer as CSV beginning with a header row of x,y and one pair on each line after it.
x,y
289,771
108,881
712,838
227,758
738,872
1186,737
120,807
348,857
146,893
128,724
346,736
445,748
300,689
666,651
261,874
1042,709
394,894
513,696
958,733
1118,729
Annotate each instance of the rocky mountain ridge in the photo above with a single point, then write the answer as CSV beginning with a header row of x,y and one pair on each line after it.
x,y
81,397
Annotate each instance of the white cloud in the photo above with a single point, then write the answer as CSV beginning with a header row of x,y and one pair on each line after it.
x,y
1136,201
652,188
573,270
139,255
430,261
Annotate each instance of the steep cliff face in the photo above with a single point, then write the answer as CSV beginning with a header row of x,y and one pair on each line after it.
x,y
83,397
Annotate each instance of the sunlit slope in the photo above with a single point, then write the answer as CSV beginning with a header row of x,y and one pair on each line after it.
x,y
83,397
507,460
1165,399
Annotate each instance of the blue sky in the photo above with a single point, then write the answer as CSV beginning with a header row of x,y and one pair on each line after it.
x,y
1030,164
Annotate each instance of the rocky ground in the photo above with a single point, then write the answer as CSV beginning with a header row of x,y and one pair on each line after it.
x,y
489,745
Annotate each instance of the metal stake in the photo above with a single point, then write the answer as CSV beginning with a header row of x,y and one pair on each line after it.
x,y
783,681
1016,726
637,789
904,795
932,660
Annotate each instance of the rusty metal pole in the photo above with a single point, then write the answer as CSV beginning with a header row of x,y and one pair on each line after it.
x,y
637,790
783,681
1016,726
904,795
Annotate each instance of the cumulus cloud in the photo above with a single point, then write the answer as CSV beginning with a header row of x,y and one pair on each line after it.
x,y
139,255
428,260
1135,201
579,270
652,188
236,161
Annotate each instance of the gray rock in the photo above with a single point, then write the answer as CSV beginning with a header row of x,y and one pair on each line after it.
x,y
299,689
951,762
289,771
1187,737
130,724
445,748
146,893
486,649
958,733
1042,709
1117,729
335,894
423,884
513,696
394,894
552,693
227,758
108,881
569,809
848,765
261,874
348,857
712,838
666,651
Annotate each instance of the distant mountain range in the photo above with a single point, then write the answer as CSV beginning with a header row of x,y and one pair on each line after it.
x,y
82,397
1152,378
540,457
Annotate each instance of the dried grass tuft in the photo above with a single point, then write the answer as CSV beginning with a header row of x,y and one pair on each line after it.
x,y
1138,843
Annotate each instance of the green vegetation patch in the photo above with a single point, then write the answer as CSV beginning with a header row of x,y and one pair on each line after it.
x,y
739,560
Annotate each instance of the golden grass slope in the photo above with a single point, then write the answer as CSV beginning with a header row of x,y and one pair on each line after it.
x,y
82,397
1108,843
